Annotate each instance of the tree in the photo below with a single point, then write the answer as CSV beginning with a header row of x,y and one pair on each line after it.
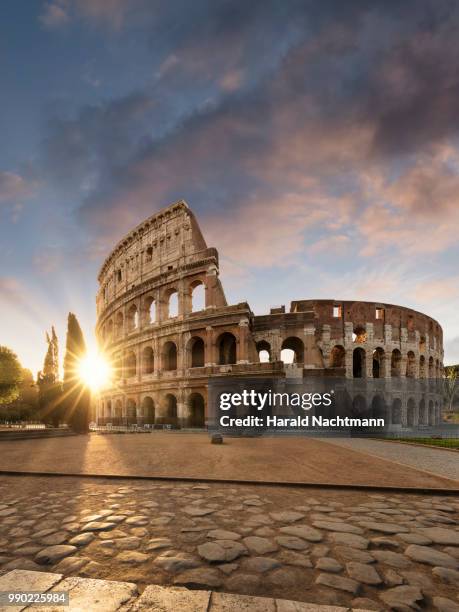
x,y
49,386
10,375
450,385
76,397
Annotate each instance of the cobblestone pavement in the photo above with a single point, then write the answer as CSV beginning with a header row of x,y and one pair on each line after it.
x,y
348,548
435,460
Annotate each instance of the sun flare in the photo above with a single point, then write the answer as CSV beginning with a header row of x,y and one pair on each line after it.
x,y
94,370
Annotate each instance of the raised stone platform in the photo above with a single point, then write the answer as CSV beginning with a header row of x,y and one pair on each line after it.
x,y
107,596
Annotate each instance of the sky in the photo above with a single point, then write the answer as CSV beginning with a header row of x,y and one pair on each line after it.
x,y
316,142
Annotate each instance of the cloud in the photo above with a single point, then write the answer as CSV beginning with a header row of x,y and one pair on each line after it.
x,y
111,13
55,14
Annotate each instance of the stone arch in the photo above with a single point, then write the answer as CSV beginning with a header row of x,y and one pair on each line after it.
x,y
148,410
410,365
108,410
130,365
264,351
396,364
396,412
172,304
117,367
338,357
132,318
379,362
119,324
359,363
359,406
169,356
149,309
196,410
109,334
196,352
411,413
292,350
422,366
197,296
170,409
148,360
118,412
431,368
226,345
378,407
131,411
423,413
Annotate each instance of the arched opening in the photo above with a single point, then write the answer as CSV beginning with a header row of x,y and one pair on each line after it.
x,y
118,413
396,364
359,406
131,365
148,360
378,363
422,367
197,411
410,365
149,310
359,335
117,367
358,363
172,305
197,352
132,318
396,412
422,344
437,369
264,351
338,357
148,410
431,368
131,412
108,411
292,350
170,409
226,349
169,356
110,330
378,407
431,413
423,413
410,413
198,296
119,324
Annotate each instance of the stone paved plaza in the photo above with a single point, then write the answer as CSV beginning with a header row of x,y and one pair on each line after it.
x,y
348,548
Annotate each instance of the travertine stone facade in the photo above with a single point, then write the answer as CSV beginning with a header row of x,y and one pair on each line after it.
x,y
164,320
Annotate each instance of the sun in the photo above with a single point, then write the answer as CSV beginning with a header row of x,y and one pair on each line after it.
x,y
94,370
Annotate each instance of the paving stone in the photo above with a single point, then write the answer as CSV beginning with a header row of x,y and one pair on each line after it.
x,y
176,561
23,580
196,511
98,526
97,595
452,550
259,546
137,521
253,502
129,543
113,535
284,577
391,558
289,557
71,565
383,542
158,521
349,539
55,538
263,532
338,582
222,550
363,572
158,543
424,554
328,564
391,578
132,556
286,516
199,577
303,531
384,527
320,550
446,575
292,542
22,564
364,603
342,527
242,583
222,534
415,538
443,604
417,578
227,602
400,596
354,554
439,535
261,564
228,568
51,554
82,539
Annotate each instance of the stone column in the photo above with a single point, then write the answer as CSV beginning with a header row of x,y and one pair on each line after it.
x,y
210,357
211,282
243,345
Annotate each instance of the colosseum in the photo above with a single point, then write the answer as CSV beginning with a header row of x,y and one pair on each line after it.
x,y
163,319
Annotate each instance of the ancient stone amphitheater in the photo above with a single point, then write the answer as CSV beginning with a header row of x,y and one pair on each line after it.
x,y
165,323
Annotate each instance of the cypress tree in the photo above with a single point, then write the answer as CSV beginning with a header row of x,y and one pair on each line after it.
x,y
49,386
76,397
